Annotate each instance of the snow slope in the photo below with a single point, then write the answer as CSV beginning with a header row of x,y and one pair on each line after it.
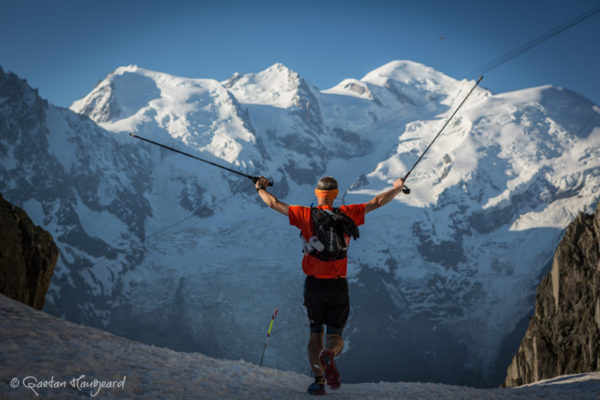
x,y
38,348
166,250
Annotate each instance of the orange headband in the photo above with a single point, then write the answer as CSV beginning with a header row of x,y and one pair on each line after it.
x,y
327,194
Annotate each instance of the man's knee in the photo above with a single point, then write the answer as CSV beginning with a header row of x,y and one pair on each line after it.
x,y
335,343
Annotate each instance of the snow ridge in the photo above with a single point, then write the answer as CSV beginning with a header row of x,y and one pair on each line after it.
x,y
63,350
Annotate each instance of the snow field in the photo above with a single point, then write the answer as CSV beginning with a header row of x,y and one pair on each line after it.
x,y
38,348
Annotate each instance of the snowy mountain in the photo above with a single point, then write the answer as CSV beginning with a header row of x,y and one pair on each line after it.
x,y
126,369
172,252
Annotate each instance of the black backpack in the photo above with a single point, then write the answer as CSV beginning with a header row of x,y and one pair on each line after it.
x,y
331,228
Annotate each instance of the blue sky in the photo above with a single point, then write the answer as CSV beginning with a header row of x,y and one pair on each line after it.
x,y
64,47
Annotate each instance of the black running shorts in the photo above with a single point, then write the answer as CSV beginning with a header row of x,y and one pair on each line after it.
x,y
327,302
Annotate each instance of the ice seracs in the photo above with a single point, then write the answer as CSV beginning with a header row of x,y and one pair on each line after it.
x,y
352,87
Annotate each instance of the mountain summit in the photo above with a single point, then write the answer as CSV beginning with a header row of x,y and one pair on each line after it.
x,y
276,86
199,112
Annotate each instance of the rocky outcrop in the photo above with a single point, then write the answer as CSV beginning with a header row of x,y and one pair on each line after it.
x,y
564,333
27,257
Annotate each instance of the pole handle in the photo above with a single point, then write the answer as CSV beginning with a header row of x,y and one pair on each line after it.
x,y
255,179
406,189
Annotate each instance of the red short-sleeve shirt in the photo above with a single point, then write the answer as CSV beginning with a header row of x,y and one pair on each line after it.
x,y
300,217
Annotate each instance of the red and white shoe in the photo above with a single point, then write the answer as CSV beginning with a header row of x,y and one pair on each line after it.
x,y
331,373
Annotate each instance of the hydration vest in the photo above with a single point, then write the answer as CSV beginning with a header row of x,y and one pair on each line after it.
x,y
330,230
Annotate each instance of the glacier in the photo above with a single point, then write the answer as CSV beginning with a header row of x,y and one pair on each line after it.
x,y
171,252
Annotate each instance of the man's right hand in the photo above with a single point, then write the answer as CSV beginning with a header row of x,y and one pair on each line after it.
x,y
268,198
261,182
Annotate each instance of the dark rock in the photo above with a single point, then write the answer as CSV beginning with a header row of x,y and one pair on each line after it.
x,y
27,257
564,333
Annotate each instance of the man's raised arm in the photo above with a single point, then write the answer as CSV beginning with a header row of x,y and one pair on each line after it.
x,y
270,200
385,197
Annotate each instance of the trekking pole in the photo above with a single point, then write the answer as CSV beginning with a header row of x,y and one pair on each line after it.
x,y
268,335
253,178
405,189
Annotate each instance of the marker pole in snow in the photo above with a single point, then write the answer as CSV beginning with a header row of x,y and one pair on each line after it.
x,y
268,335
253,178
405,189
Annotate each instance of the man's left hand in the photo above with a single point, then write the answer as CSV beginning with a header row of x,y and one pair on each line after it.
x,y
398,183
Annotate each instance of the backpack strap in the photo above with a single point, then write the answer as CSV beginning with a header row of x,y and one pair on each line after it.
x,y
317,216
346,224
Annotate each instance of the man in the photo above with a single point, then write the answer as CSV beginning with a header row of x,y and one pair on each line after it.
x,y
326,288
